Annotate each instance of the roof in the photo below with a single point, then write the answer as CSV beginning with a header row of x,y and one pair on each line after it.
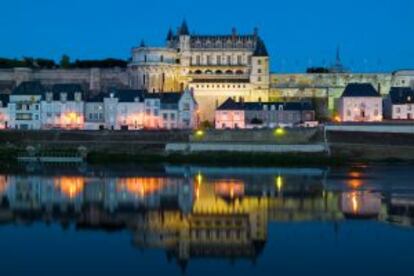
x,y
230,104
97,98
29,88
184,29
401,95
360,90
4,100
129,95
70,89
260,50
168,100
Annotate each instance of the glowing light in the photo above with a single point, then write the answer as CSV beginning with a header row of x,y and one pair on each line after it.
x,y
70,186
355,205
199,178
280,131
337,119
199,133
279,183
231,188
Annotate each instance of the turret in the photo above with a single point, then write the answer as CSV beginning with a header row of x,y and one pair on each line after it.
x,y
260,75
184,44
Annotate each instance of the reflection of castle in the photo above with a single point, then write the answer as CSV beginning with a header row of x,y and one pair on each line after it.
x,y
191,216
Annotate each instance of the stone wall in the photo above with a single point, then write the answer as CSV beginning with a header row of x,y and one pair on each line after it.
x,y
93,79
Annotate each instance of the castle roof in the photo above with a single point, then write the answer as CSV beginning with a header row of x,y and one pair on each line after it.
x,y
402,95
184,29
129,95
260,50
360,90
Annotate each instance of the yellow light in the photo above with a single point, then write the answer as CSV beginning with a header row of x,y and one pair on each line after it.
x,y
280,131
279,183
199,178
199,133
337,119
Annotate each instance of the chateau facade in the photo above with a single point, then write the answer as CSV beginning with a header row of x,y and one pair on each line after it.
x,y
215,67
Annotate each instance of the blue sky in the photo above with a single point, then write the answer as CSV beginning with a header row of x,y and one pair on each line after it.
x,y
374,35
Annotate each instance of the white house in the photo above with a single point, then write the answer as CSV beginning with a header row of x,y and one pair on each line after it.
x,y
399,104
4,111
24,106
63,107
124,109
136,109
94,113
360,102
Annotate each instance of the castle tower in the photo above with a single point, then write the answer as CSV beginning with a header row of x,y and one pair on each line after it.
x,y
259,76
184,44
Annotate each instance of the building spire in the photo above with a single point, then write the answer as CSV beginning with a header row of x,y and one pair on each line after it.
x,y
184,28
338,55
170,35
142,44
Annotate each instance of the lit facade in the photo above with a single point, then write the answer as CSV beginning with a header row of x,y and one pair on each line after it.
x,y
63,107
399,104
215,67
360,103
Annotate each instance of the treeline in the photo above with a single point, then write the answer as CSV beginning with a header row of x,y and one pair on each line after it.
x,y
65,63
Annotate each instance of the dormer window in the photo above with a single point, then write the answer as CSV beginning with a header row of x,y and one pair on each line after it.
x,y
63,97
49,97
409,99
78,96
280,107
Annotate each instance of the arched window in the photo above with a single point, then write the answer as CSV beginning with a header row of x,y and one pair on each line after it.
x,y
198,72
219,72
208,72
229,72
239,72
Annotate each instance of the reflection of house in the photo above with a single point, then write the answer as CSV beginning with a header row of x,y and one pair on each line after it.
x,y
361,204
360,102
232,114
400,208
399,104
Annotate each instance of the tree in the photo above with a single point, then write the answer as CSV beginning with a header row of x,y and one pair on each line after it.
x,y
65,62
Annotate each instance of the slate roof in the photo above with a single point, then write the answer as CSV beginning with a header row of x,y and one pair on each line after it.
x,y
184,29
402,95
168,100
260,50
129,95
97,98
4,100
29,88
70,90
360,90
230,104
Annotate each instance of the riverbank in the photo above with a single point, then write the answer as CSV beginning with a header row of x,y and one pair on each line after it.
x,y
290,147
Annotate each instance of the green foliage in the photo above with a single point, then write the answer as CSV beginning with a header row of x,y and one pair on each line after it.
x,y
65,62
206,125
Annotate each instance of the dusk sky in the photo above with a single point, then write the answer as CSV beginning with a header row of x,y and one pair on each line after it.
x,y
374,35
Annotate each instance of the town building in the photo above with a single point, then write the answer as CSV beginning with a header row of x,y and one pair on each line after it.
x,y
63,107
95,113
4,112
360,102
399,104
232,114
24,106
137,109
215,67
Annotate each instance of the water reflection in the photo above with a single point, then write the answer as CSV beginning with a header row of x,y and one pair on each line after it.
x,y
194,212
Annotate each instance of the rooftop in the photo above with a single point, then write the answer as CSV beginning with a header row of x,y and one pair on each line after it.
x,y
231,104
402,95
360,90
29,88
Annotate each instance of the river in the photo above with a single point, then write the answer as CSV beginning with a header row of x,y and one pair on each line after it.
x,y
132,220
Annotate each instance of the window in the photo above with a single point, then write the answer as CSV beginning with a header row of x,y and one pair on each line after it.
x,y
218,60
198,60
398,110
229,60
172,116
165,116
162,58
259,62
348,113
376,112
259,78
259,71
239,60
208,60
